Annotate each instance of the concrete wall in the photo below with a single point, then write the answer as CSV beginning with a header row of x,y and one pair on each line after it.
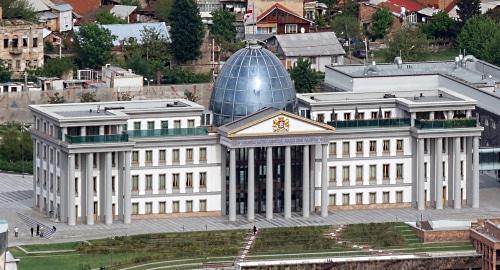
x,y
14,106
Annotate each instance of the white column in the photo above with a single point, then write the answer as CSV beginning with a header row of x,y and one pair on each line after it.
x,y
232,184
414,172
312,177
35,176
71,190
54,187
421,174
127,190
451,171
83,131
413,116
324,180
251,184
108,208
468,170
47,186
288,182
269,183
223,177
457,192
119,183
431,115
89,170
305,182
475,172
433,164
439,172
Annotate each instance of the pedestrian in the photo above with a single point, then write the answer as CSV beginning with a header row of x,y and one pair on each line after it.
x,y
37,229
54,228
254,229
41,233
32,230
16,231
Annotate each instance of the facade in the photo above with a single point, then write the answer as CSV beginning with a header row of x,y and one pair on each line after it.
x,y
55,15
277,19
22,47
119,78
485,236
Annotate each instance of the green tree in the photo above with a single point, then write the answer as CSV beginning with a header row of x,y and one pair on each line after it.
x,y
136,3
476,34
16,143
18,9
346,26
56,99
187,30
467,9
351,8
382,20
410,43
441,26
5,73
163,9
305,78
93,45
223,28
55,67
105,17
494,14
88,97
491,51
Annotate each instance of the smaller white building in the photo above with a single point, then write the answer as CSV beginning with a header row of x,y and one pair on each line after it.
x,y
119,78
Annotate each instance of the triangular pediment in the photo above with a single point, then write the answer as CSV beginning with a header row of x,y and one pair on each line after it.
x,y
279,123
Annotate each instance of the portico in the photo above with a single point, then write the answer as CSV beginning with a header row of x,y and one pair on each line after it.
x,y
269,160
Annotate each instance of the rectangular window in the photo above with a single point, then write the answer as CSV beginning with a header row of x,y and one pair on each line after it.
x,y
462,168
345,173
399,171
333,149
162,208
373,197
6,43
359,147
321,118
162,181
135,182
137,125
35,42
190,123
76,186
385,171
373,147
177,123
345,199
333,175
149,156
359,198
399,196
189,155
203,154
345,148
113,184
387,114
95,184
164,124
149,208
162,156
151,125
189,206
175,156
25,42
374,115
175,181
347,116
290,28
425,171
135,157
203,205
135,208
373,172
361,116
399,145
189,180
385,196
149,182
332,199
359,174
203,180
175,207
386,146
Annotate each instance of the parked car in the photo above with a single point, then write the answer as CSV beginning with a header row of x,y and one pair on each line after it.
x,y
359,53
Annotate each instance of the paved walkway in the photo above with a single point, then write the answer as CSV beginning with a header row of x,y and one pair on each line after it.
x,y
14,185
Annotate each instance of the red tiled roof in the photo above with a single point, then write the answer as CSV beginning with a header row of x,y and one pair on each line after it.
x,y
396,5
450,6
281,7
83,7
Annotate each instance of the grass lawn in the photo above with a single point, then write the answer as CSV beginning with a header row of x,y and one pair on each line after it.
x,y
51,247
441,55
132,250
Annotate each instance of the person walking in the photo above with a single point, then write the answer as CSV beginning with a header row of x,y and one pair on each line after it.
x,y
254,229
37,229
32,230
54,228
16,231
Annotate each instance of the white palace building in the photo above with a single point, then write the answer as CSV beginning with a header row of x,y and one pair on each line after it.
x,y
259,148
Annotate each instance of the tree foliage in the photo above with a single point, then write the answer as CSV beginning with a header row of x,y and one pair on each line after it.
x,y
494,13
223,28
305,78
5,73
93,45
351,8
382,21
163,9
16,144
467,9
187,30
479,37
106,17
136,3
56,99
55,67
180,76
410,42
440,26
18,9
88,97
346,26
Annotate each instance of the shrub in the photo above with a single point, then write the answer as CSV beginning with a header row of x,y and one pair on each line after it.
x,y
180,76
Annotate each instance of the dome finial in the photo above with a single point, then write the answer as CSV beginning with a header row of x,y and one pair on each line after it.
x,y
254,43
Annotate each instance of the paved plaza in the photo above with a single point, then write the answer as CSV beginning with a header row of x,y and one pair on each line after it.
x,y
16,197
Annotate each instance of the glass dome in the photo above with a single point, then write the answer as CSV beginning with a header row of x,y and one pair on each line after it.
x,y
251,79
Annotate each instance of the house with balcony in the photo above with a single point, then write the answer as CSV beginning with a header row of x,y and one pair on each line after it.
x,y
277,19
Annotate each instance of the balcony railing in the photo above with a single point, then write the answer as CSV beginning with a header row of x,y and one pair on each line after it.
x,y
171,132
451,123
371,123
97,138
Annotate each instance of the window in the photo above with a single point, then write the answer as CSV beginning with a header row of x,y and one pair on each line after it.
x,y
345,148
332,199
77,159
399,171
374,115
95,183
149,208
385,171
373,147
6,43
373,172
189,180
373,197
162,156
387,114
149,156
164,124
386,146
151,125
177,123
399,145
189,206
360,116
162,208
425,171
175,180
444,145
135,157
444,171
137,125
190,123
135,208
203,205
359,147
426,144
385,196
149,182
189,155
135,182
333,175
333,149
162,179
59,184
461,168
345,174
321,118
290,28
399,196
203,179
35,42
345,199
359,174
347,116
76,186
175,155
175,207
113,184
203,154
359,198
